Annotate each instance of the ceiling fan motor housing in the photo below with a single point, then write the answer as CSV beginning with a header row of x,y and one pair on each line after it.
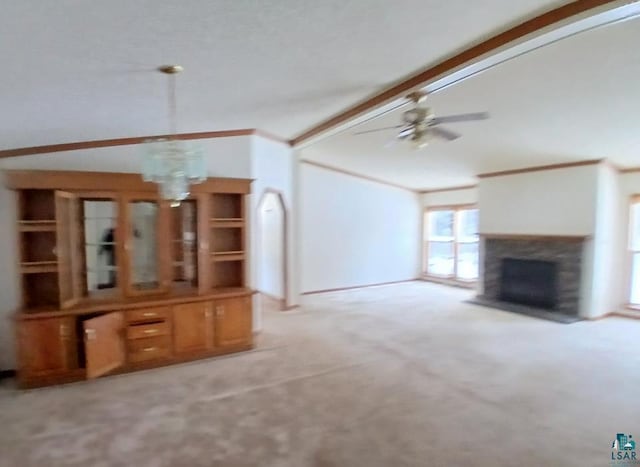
x,y
417,115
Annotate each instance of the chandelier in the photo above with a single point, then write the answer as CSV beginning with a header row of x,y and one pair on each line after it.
x,y
171,163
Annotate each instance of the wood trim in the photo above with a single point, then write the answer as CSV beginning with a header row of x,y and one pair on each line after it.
x,y
313,292
272,137
444,190
353,174
419,80
105,143
449,281
629,170
546,238
541,168
285,239
109,181
450,207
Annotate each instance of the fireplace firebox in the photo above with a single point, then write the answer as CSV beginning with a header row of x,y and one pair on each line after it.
x,y
529,282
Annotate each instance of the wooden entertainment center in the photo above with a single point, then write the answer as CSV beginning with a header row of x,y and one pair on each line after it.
x,y
115,279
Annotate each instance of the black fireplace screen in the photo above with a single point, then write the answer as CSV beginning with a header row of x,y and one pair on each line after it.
x,y
529,282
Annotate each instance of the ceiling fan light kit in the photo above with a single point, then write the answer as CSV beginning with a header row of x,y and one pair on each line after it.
x,y
421,125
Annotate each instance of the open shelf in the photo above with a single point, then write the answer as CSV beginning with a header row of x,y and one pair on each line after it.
x,y
226,239
227,273
37,205
41,289
228,256
38,267
38,247
226,206
37,226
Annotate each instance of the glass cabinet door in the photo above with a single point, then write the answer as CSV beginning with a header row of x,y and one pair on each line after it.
x,y
146,257
100,245
184,245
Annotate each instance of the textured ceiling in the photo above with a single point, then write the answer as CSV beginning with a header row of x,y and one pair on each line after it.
x,y
76,70
573,100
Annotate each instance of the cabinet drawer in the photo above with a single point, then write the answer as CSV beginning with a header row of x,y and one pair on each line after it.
x,y
147,314
140,331
150,348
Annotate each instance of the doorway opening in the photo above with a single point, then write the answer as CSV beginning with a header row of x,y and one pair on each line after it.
x,y
272,250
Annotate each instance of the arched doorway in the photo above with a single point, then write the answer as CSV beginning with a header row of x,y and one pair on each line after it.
x,y
272,249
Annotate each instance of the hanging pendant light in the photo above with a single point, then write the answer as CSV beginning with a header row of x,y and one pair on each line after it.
x,y
171,163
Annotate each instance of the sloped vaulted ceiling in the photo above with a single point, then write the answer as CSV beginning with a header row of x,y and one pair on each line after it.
x,y
75,70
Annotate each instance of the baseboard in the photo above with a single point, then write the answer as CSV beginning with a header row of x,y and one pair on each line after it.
x,y
452,282
6,374
358,286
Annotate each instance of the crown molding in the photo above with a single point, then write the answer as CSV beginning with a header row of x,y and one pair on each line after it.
x,y
357,175
541,168
444,190
105,143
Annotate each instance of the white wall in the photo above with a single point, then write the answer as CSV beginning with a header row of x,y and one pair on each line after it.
x,y
588,200
608,280
356,232
451,197
272,168
552,202
226,157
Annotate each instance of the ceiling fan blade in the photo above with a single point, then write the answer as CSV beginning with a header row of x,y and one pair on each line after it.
x,y
378,129
446,134
407,131
461,118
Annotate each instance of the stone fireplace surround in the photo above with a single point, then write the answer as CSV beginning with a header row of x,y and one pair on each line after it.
x,y
566,252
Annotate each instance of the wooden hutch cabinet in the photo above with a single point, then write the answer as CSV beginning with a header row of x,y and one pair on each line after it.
x,y
114,279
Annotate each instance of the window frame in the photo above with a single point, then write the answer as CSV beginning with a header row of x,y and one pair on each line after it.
x,y
426,243
631,252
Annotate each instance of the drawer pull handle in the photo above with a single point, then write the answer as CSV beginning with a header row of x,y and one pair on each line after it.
x,y
150,331
91,334
149,314
150,349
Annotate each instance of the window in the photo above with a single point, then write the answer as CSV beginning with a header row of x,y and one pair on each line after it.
x,y
451,243
634,248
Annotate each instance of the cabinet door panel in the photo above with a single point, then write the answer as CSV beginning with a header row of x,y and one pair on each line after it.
x,y
192,327
46,346
147,252
67,244
104,344
233,321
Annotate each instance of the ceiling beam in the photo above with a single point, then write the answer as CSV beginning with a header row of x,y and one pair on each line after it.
x,y
419,80
104,143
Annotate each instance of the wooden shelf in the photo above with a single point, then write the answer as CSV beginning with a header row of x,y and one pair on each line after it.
x,y
37,226
38,267
228,256
227,222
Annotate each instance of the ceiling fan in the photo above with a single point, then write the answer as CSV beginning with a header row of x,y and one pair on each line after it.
x,y
420,124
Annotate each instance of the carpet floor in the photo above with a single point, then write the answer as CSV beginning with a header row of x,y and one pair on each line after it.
x,y
399,375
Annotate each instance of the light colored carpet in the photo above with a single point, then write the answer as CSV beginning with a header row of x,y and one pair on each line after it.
x,y
402,375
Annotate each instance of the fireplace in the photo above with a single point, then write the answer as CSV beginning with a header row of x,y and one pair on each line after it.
x,y
537,272
529,282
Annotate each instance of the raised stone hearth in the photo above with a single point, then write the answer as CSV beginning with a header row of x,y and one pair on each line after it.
x,y
565,252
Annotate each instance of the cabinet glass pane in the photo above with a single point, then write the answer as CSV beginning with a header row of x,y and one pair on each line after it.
x,y
100,221
184,244
441,258
143,251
